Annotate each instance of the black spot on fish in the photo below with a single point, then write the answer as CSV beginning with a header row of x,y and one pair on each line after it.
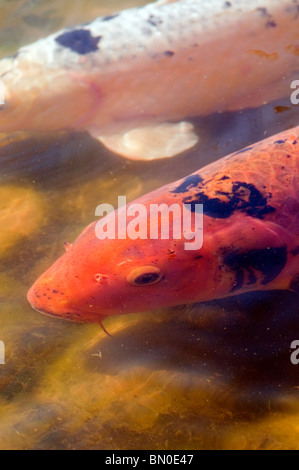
x,y
263,11
80,41
227,5
295,142
268,261
154,20
271,24
243,150
110,17
190,182
212,207
224,178
280,141
245,197
169,53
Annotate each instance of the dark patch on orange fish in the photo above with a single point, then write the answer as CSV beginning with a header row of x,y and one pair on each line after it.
x,y
267,261
190,182
244,197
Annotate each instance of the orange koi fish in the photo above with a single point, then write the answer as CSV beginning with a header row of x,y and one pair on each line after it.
x,y
134,79
250,205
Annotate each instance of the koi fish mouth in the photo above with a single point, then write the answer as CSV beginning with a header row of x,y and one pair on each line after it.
x,y
62,309
76,315
72,317
69,316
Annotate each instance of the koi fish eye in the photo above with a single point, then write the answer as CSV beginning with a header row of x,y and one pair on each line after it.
x,y
145,276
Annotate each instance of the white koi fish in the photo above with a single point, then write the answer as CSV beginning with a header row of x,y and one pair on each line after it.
x,y
134,78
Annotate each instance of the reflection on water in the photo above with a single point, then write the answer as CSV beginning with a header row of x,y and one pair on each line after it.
x,y
216,375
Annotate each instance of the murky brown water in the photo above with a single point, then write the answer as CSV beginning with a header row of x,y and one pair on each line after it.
x,y
216,375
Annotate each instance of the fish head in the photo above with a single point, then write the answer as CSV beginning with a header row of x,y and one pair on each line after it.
x,y
99,278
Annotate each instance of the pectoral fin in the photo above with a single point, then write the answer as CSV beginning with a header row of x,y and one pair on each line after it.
x,y
152,142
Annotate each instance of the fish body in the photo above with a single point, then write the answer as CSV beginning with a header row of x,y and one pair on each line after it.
x,y
164,62
250,205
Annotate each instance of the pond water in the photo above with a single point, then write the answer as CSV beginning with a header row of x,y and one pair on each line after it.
x,y
211,376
